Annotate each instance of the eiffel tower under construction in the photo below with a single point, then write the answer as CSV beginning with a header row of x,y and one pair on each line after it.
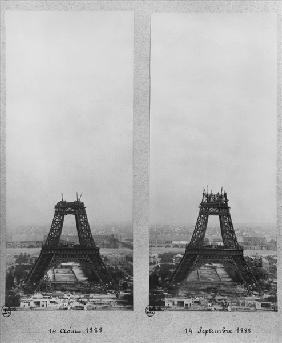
x,y
230,253
86,252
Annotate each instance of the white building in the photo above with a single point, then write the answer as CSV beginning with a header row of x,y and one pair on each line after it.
x,y
38,301
178,303
179,244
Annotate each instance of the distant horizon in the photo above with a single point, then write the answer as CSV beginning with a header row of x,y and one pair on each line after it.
x,y
41,227
234,223
130,223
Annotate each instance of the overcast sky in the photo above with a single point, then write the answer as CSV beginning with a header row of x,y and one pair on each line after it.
x,y
69,114
213,114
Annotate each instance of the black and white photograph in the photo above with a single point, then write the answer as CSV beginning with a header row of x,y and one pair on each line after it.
x,y
213,163
69,161
140,171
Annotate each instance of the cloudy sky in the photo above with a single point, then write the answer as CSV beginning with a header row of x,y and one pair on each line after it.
x,y
213,114
69,114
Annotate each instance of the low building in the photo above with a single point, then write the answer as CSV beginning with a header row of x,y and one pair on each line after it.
x,y
178,303
116,259
179,244
38,301
254,243
160,243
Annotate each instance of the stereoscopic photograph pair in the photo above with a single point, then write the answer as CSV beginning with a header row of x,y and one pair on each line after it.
x,y
69,156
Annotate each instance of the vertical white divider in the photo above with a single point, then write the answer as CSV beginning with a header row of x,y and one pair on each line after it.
x,y
3,160
141,145
279,167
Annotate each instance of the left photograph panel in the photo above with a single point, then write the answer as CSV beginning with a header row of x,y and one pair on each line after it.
x,y
69,93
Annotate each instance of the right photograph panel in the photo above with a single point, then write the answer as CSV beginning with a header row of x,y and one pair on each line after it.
x,y
213,162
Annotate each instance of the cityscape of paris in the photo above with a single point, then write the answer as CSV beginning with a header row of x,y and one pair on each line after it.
x,y
208,282
65,285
